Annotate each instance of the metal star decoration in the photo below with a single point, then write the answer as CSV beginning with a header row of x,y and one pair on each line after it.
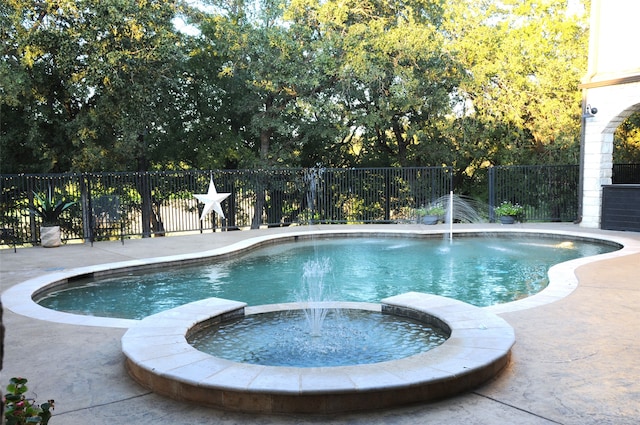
x,y
211,200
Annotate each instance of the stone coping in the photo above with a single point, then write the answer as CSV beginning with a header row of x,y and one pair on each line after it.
x,y
159,357
562,279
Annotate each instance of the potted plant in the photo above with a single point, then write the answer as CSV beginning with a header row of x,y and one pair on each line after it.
x,y
49,211
431,214
508,211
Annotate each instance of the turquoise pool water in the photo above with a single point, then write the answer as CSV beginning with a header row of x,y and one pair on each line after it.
x,y
479,271
347,337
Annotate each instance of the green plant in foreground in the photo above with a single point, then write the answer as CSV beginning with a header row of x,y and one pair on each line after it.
x,y
20,410
508,208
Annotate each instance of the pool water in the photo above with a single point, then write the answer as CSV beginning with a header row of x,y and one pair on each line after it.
x,y
348,337
479,271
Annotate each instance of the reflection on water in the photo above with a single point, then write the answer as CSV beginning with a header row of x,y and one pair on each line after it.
x,y
480,271
349,337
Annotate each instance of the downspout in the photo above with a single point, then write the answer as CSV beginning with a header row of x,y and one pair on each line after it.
x,y
583,132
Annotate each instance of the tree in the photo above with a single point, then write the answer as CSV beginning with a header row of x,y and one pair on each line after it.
x,y
36,101
627,141
92,82
243,61
266,80
523,62
112,85
391,74
518,102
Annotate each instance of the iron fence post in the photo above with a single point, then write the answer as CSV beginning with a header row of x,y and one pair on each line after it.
x,y
492,194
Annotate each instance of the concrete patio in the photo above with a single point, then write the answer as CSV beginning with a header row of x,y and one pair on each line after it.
x,y
575,360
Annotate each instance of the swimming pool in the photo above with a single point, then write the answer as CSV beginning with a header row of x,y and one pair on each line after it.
x,y
482,271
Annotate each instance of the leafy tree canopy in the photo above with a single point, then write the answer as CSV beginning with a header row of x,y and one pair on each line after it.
x,y
114,85
87,84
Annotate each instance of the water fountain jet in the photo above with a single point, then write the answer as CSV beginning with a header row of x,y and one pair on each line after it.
x,y
462,209
314,291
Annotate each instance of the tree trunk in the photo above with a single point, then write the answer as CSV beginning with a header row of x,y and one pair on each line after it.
x,y
401,140
144,189
260,201
265,138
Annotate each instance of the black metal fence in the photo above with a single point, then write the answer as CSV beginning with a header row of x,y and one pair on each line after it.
x,y
547,193
117,205
626,174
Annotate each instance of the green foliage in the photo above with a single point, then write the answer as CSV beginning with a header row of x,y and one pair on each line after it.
x,y
307,217
391,76
523,63
20,410
627,141
113,85
93,82
49,209
507,208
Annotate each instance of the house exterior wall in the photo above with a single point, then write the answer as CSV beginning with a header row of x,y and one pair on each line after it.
x,y
612,85
615,103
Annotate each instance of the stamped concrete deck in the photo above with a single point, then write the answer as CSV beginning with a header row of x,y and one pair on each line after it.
x,y
575,360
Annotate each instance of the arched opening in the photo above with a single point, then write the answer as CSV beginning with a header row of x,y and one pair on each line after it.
x,y
609,203
626,147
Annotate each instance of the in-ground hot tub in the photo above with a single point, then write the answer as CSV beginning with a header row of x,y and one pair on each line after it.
x,y
159,357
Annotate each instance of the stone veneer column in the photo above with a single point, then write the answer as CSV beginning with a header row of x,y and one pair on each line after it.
x,y
598,163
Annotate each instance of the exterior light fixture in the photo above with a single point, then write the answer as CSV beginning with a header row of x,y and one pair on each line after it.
x,y
589,111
